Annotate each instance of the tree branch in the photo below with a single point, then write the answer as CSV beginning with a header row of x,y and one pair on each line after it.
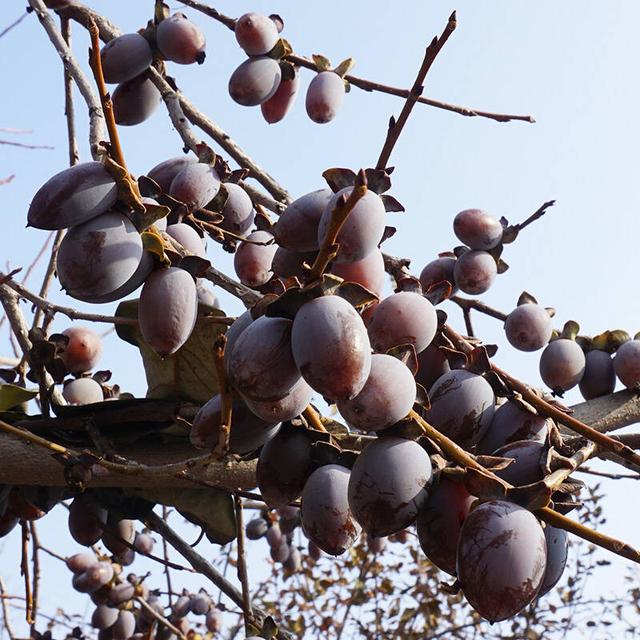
x,y
96,117
395,127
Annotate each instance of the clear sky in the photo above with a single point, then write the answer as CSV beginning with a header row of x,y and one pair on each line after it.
x,y
572,65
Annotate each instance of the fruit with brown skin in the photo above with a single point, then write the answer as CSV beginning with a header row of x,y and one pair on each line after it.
x,y
278,105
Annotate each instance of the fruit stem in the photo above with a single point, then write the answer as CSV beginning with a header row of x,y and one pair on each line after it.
x,y
313,418
555,479
222,447
105,98
342,209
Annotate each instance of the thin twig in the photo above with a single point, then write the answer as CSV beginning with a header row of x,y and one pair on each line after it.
x,y
4,32
96,118
242,565
26,146
202,566
226,406
160,618
35,559
611,476
470,303
24,571
341,210
165,554
5,610
395,127
536,215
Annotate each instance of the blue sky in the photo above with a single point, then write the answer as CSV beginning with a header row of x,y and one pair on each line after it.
x,y
571,65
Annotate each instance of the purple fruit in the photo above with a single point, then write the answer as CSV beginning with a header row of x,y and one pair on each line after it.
x,y
277,106
252,262
326,516
233,333
238,210
297,227
213,621
124,627
248,432
439,522
627,364
255,81
261,365
135,100
121,593
280,483
103,617
164,173
82,391
256,528
195,185
462,406
528,327
530,459
117,534
86,520
256,34
288,264
403,318
512,423
125,57
188,237
388,485
336,362
432,363
368,272
101,258
72,197
291,405
386,398
168,310
180,40
324,96
557,551
562,365
80,562
439,270
502,556
599,378
477,229
474,272
361,231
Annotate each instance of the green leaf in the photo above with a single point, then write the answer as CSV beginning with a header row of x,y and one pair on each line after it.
x,y
212,509
188,374
12,395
